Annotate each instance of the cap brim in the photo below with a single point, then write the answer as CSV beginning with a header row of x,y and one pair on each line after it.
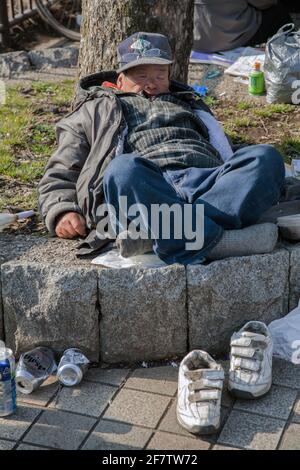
x,y
144,61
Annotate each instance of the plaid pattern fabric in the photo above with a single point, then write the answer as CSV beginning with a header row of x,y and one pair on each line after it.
x,y
167,131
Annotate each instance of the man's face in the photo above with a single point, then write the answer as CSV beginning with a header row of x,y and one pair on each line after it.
x,y
152,79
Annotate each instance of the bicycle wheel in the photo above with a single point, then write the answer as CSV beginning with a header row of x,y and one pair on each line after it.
x,y
62,15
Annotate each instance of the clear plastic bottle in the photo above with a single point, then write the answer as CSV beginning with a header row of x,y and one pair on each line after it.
x,y
8,401
7,219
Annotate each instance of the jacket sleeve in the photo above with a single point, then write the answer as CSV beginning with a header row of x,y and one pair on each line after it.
x,y
57,188
262,4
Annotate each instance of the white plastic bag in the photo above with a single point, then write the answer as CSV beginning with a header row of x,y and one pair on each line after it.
x,y
286,336
282,64
113,259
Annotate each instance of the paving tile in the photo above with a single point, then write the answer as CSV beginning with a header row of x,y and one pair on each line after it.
x,y
29,447
291,438
135,407
218,447
278,403
110,435
163,380
166,441
296,414
88,398
59,430
170,424
14,426
251,431
6,445
107,376
286,374
227,399
41,396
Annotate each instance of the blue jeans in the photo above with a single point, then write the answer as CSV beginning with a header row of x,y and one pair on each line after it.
x,y
234,194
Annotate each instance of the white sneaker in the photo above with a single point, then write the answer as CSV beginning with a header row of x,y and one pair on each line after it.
x,y
251,354
200,385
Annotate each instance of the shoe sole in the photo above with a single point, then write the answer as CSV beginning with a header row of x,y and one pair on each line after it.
x,y
246,395
201,430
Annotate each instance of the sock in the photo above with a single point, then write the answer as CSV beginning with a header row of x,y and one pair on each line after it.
x,y
129,247
256,239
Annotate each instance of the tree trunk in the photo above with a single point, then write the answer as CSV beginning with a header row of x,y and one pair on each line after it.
x,y
107,22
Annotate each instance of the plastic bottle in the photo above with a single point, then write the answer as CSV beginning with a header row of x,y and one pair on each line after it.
x,y
8,402
7,219
257,80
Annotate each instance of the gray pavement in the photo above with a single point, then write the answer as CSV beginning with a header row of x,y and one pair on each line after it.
x,y
123,409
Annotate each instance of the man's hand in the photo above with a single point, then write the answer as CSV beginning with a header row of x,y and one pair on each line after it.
x,y
70,225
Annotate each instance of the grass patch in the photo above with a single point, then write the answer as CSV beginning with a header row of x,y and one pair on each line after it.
x,y
244,122
270,110
27,136
228,112
290,148
236,137
243,106
210,101
19,200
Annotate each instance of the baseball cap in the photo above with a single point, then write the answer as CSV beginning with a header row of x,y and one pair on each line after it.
x,y
144,48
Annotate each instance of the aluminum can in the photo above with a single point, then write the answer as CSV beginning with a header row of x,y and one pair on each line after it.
x,y
8,401
34,368
72,367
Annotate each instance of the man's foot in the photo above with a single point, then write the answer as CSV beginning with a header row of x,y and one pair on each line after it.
x,y
253,240
129,247
200,385
251,361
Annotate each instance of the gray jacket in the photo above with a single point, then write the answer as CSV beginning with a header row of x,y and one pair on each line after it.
x,y
221,25
88,139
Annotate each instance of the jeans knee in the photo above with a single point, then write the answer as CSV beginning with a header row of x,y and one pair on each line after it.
x,y
121,171
271,161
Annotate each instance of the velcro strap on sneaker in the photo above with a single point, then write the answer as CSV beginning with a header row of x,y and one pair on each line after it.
x,y
205,395
258,337
248,364
244,342
243,352
255,341
204,383
209,374
247,377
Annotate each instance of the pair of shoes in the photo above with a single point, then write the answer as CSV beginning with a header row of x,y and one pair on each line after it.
x,y
201,378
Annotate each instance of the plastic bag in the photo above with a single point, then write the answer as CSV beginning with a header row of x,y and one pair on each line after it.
x,y
113,259
286,336
282,65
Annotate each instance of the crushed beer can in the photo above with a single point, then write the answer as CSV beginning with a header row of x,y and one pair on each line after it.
x,y
72,367
34,368
8,401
